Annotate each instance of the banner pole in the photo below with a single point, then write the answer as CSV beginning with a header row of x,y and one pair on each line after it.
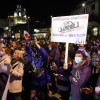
x,y
66,53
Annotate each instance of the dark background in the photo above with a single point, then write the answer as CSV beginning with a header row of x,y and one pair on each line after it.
x,y
38,9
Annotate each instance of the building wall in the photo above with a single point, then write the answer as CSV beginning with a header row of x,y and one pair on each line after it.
x,y
4,23
87,9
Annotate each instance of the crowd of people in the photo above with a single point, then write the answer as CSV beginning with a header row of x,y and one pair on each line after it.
x,y
36,66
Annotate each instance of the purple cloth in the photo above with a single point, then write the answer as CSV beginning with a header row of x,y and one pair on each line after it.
x,y
54,55
84,51
29,53
81,77
44,78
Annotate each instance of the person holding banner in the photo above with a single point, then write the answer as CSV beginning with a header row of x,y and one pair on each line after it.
x,y
16,74
4,69
63,83
80,74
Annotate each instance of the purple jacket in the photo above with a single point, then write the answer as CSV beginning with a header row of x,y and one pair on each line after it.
x,y
80,74
54,55
44,78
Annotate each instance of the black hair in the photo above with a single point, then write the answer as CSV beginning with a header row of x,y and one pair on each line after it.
x,y
80,52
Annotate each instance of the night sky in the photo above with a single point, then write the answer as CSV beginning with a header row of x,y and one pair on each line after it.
x,y
38,9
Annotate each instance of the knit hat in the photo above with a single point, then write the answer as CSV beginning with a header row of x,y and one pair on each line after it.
x,y
83,51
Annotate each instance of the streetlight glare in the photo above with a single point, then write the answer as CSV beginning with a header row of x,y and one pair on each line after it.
x,y
83,4
51,16
95,29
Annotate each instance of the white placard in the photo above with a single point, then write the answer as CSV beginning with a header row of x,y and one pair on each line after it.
x,y
70,29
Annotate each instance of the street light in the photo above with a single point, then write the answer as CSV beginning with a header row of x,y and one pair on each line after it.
x,y
28,18
84,6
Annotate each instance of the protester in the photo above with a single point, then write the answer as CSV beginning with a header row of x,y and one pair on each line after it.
x,y
43,56
80,74
54,56
1,45
63,83
16,74
27,75
15,45
4,69
95,59
40,76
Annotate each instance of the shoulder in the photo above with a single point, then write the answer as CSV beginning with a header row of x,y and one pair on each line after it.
x,y
86,69
20,63
7,60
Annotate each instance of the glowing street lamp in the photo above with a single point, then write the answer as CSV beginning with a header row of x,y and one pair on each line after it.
x,y
28,18
83,4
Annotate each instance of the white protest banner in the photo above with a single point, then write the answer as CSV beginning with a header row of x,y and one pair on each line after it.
x,y
69,29
4,97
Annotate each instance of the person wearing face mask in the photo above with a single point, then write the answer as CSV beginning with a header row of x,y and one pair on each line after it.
x,y
1,54
6,55
1,45
4,69
81,72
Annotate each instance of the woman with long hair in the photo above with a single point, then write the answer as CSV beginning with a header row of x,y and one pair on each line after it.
x,y
16,72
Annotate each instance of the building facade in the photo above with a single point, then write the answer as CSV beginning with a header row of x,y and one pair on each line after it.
x,y
91,7
18,18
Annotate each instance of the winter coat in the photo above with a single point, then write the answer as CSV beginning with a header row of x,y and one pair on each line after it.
x,y
5,59
63,83
54,55
37,63
80,74
95,59
15,84
4,72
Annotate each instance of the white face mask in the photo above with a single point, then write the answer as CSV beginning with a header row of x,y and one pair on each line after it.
x,y
99,52
1,53
22,52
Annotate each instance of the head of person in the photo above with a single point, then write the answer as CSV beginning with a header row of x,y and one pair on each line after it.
x,y
82,46
23,50
17,54
99,51
95,49
14,44
6,50
79,57
33,94
52,46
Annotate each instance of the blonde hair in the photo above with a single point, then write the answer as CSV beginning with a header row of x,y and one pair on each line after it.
x,y
20,55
